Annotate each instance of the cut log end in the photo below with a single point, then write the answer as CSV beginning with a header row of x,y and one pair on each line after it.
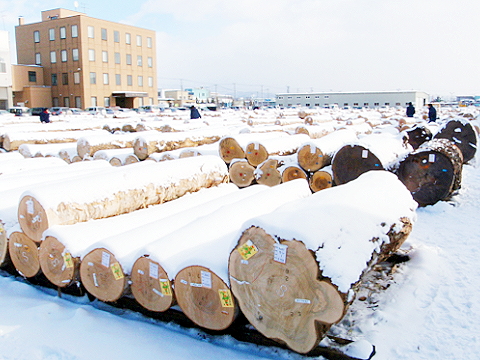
x,y
256,154
24,254
205,298
241,173
269,174
320,180
351,161
293,172
311,159
102,275
4,254
229,149
282,296
150,285
56,263
32,218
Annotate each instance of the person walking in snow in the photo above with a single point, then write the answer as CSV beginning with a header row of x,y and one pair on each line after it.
x,y
432,113
410,110
45,116
194,113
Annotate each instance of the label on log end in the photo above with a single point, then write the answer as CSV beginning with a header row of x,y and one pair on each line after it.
x,y
302,301
364,154
247,250
30,207
67,259
431,158
280,253
117,271
206,279
225,298
153,270
105,259
165,287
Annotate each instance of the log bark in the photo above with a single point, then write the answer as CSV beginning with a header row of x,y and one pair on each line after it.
x,y
418,135
463,134
433,172
151,286
4,254
291,172
102,275
257,152
87,146
241,173
44,205
205,298
268,174
320,180
24,254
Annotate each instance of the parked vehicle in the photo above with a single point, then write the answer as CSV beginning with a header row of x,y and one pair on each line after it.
x,y
77,111
37,110
151,109
95,110
20,111
59,111
5,114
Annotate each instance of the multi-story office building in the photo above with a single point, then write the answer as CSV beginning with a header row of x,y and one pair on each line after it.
x,y
5,72
90,62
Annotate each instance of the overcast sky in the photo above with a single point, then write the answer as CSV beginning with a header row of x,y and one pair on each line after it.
x,y
263,47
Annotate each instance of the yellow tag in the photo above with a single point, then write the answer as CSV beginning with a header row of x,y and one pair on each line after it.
x,y
1,228
225,298
165,287
117,271
247,250
67,258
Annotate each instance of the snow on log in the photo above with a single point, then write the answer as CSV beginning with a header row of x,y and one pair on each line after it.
x,y
320,180
89,145
23,253
13,166
119,190
257,152
149,143
64,245
463,134
46,150
210,248
241,173
293,282
371,152
433,172
417,135
6,156
316,131
291,172
122,251
317,153
267,173
13,140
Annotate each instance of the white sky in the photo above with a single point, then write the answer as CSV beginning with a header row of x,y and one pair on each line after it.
x,y
256,48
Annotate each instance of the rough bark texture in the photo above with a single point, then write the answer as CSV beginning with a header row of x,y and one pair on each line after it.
x,y
351,161
418,135
463,134
4,255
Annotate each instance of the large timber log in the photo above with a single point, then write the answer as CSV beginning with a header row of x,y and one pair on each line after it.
x,y
267,173
291,172
433,172
46,150
23,253
293,282
89,145
417,135
119,190
463,134
123,251
4,255
372,152
316,131
321,179
241,173
13,166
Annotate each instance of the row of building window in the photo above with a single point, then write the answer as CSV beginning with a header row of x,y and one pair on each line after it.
x,y
345,104
93,79
91,35
93,101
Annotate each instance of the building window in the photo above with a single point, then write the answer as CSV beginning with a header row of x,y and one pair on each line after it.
x,y
326,96
36,36
116,36
105,79
53,57
106,101
75,54
355,104
104,34
128,38
93,78
139,60
129,59
387,104
54,80
78,102
91,54
118,79
150,62
93,101
307,97
149,42
139,40
3,66
55,101
74,31
63,54
63,32
66,101
317,97
117,58
38,59
365,104
376,104
345,104
140,80
129,80
397,104
317,104
105,56
65,78
150,81
32,76
76,78
91,32
51,34
307,104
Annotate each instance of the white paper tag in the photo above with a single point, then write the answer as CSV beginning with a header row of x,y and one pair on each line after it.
x,y
364,154
302,301
196,285
153,270
313,149
206,279
256,146
184,282
280,253
245,262
105,259
431,158
30,207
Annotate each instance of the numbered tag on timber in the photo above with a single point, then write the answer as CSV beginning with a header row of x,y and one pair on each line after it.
x,y
431,158
225,298
165,287
280,253
105,259
153,270
247,250
67,259
206,277
117,271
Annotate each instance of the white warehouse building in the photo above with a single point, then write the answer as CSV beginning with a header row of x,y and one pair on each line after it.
x,y
353,99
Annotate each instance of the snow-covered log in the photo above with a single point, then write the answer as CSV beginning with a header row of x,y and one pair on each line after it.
x,y
463,134
433,172
291,172
122,250
63,246
267,173
23,253
4,255
316,131
46,150
257,152
293,282
89,145
418,134
119,190
13,166
241,173
6,156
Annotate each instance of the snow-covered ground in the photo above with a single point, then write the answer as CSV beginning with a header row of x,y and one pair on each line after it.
x,y
428,309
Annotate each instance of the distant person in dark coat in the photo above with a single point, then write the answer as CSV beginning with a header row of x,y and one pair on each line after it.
x,y
45,116
410,110
194,113
432,113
